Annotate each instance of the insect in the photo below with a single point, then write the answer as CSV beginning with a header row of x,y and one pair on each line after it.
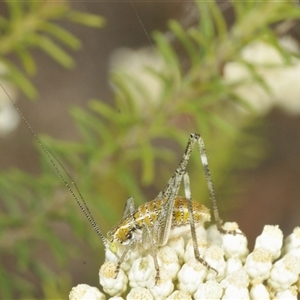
x,y
168,215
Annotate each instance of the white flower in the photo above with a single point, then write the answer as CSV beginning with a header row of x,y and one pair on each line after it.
x,y
259,291
271,239
111,285
209,290
142,271
233,264
214,236
214,256
139,293
292,241
177,244
258,264
85,292
179,295
163,288
281,79
145,87
289,294
9,117
168,260
234,245
285,272
189,250
236,285
190,276
129,259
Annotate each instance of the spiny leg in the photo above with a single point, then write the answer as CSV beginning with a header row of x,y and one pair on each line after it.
x,y
128,210
210,186
121,259
181,168
170,191
188,196
164,220
147,237
162,226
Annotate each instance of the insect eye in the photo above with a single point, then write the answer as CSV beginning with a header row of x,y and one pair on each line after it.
x,y
129,235
113,247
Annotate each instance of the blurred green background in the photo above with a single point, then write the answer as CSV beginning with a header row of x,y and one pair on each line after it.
x,y
119,124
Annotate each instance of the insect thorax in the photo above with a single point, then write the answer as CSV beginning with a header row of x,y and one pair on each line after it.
x,y
131,226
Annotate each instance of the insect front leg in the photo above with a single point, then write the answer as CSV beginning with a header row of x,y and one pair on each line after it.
x,y
122,258
147,238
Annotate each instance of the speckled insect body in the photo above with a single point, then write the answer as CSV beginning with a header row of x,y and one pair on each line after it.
x,y
131,226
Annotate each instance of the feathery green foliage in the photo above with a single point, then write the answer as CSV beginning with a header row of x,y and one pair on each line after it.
x,y
29,25
122,149
25,199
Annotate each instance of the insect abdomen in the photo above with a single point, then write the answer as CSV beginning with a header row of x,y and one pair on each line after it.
x,y
147,214
181,217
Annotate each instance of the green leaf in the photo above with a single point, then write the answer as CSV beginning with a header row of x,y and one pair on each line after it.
x,y
5,284
89,124
273,41
256,77
206,26
148,162
54,51
223,125
20,80
128,180
86,19
15,9
166,50
239,9
218,18
244,103
125,95
140,93
188,43
104,110
61,34
23,255
26,59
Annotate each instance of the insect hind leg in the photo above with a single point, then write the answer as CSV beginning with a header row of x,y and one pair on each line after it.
x,y
165,194
210,186
188,196
170,192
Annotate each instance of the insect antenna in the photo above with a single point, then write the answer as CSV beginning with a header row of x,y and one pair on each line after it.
x,y
55,163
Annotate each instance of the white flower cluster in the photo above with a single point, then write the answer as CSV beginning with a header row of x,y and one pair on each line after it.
x,y
271,271
9,117
280,78
135,65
